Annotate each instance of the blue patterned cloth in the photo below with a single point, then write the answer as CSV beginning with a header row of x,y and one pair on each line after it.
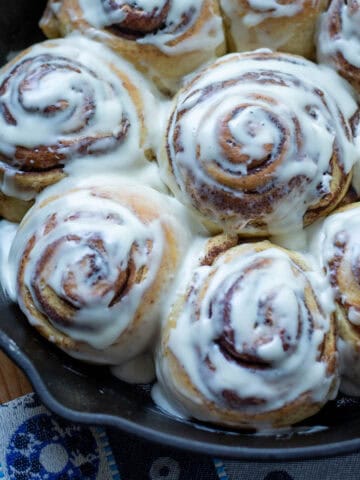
x,y
37,445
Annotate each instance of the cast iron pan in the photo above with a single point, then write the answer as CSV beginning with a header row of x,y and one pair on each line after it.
x,y
89,395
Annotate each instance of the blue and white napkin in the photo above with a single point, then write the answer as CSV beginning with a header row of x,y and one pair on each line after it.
x,y
37,445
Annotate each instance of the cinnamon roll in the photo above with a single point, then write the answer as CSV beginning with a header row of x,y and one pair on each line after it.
x,y
92,266
288,26
251,343
240,145
336,244
338,39
165,38
66,100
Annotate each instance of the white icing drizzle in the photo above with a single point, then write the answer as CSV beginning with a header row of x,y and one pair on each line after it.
x,y
356,170
239,289
273,109
9,186
336,245
81,219
296,241
339,33
101,13
208,38
244,16
338,45
190,261
76,77
7,234
147,175
259,10
140,369
338,237
167,38
55,5
166,404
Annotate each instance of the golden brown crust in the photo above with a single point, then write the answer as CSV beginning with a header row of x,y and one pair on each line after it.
x,y
49,24
216,246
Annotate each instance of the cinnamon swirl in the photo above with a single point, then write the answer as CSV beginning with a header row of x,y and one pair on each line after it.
x,y
66,100
251,343
257,143
92,266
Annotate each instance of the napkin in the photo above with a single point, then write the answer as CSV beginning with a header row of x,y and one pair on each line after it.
x,y
38,445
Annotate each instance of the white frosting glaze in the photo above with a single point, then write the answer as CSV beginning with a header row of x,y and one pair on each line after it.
x,y
208,38
342,39
271,101
335,243
244,16
356,170
166,404
167,38
147,175
9,187
297,240
248,284
338,236
302,372
140,369
101,13
118,239
189,262
7,234
258,11
338,44
77,76
81,219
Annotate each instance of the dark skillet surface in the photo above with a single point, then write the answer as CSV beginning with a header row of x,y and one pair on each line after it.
x,y
90,395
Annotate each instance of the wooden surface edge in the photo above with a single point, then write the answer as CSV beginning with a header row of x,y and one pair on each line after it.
x,y
13,382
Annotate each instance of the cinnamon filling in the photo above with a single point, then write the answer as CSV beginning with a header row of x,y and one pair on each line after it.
x,y
43,158
138,23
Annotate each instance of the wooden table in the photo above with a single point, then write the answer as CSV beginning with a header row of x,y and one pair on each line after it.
x,y
12,381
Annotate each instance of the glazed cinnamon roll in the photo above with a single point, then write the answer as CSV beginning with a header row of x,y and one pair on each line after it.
x,y
251,343
166,38
286,26
338,39
336,244
92,267
257,143
66,100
